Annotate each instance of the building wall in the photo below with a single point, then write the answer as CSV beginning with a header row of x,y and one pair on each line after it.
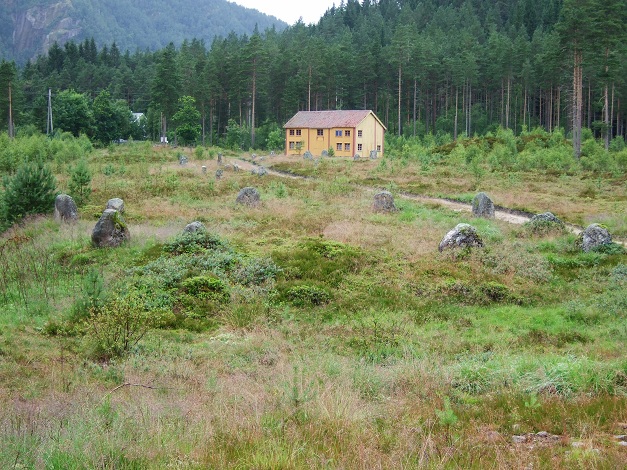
x,y
372,135
343,145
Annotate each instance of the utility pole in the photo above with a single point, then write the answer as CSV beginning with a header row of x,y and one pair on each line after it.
x,y
11,128
49,127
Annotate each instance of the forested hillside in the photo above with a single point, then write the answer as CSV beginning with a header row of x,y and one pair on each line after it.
x,y
435,66
30,28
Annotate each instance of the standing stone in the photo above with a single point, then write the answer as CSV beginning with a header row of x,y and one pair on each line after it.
x,y
236,167
593,236
219,173
116,204
356,157
482,206
249,197
307,155
384,202
204,169
182,160
462,236
219,159
194,227
324,153
110,230
373,155
65,209
254,156
272,154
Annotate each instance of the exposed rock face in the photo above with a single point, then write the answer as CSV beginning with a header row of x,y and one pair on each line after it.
x,y
37,28
116,204
593,236
462,236
249,197
194,227
482,206
65,209
110,230
384,202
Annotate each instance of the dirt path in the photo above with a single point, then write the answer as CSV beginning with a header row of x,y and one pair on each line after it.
x,y
507,215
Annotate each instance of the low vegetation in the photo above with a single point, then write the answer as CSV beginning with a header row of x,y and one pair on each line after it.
x,y
312,332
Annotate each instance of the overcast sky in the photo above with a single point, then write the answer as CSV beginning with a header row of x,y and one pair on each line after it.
x,y
291,10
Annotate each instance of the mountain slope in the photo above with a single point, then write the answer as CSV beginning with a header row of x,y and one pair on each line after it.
x,y
35,25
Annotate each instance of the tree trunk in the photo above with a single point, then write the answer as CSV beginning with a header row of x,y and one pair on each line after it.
x,y
456,109
415,98
577,102
400,69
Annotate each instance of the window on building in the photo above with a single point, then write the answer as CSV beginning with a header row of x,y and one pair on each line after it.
x,y
320,132
347,133
291,131
378,148
292,145
347,147
338,133
360,133
298,132
359,147
339,146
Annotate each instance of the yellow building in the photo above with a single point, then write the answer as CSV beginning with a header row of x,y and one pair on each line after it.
x,y
346,132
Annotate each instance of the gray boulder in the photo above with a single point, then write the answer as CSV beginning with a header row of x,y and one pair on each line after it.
x,y
259,171
482,206
356,157
194,227
110,230
116,204
65,209
546,217
324,153
219,173
249,197
384,202
462,236
594,236
308,155
373,155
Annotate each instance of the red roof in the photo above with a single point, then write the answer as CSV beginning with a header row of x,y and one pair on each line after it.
x,y
329,119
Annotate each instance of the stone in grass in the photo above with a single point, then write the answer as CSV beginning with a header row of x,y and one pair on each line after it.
x,y
259,171
594,236
462,236
116,204
546,217
249,197
482,206
219,173
194,227
384,202
65,209
111,230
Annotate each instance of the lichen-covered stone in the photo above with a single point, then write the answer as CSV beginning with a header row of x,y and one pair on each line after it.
x,y
594,236
547,217
462,236
482,206
194,227
384,202
65,209
116,204
110,230
249,197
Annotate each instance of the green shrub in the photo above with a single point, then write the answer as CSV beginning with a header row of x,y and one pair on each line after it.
x,y
307,295
205,287
194,242
31,190
80,183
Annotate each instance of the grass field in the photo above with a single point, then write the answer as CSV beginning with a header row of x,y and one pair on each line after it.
x,y
311,332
